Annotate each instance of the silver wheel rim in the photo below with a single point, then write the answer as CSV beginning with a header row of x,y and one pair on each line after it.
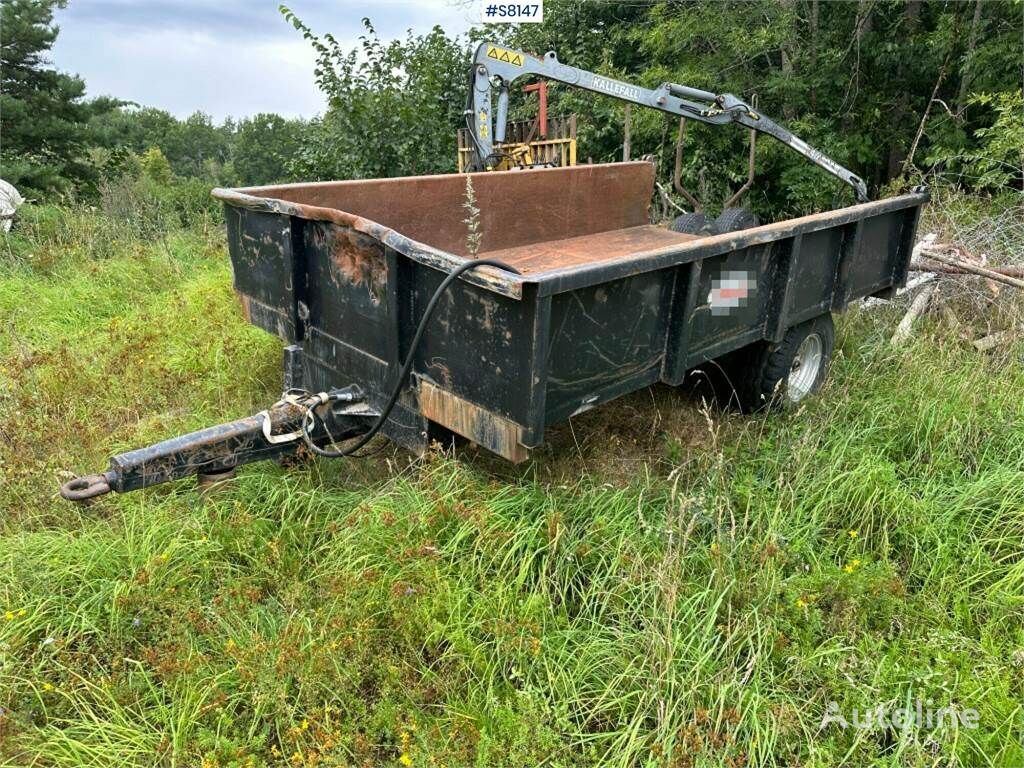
x,y
806,366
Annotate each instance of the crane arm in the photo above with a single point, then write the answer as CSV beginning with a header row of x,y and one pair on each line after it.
x,y
495,68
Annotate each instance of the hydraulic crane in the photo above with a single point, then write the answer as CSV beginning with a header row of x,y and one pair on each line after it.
x,y
496,68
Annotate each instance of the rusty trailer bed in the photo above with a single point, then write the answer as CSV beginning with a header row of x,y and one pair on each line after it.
x,y
605,303
598,248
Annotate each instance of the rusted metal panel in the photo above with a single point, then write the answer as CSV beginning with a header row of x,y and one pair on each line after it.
x,y
479,345
423,217
471,421
587,250
492,279
355,260
516,207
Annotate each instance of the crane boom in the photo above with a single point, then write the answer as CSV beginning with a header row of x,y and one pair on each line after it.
x,y
495,67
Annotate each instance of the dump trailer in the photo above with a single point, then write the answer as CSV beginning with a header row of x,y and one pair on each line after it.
x,y
408,311
571,298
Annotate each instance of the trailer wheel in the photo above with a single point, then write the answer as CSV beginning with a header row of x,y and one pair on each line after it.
x,y
785,373
695,223
735,219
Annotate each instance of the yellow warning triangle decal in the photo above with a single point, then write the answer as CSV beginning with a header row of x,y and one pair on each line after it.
x,y
492,52
505,57
518,60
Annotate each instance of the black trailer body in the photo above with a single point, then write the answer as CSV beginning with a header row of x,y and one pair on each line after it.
x,y
605,303
393,326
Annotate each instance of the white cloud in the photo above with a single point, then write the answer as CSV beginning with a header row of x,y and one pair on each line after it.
x,y
229,58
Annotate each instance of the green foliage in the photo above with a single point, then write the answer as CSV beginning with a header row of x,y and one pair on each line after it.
x,y
155,166
392,107
131,210
853,79
997,161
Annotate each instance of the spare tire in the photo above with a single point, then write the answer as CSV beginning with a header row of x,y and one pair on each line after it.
x,y
695,223
735,219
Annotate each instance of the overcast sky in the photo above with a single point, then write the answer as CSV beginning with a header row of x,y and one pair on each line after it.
x,y
224,57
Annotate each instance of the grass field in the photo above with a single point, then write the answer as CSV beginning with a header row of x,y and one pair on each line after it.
x,y
663,585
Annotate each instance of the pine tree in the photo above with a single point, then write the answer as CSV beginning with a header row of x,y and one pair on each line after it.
x,y
42,112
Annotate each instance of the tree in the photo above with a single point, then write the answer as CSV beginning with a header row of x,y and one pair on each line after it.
x,y
392,107
42,111
132,127
263,147
199,148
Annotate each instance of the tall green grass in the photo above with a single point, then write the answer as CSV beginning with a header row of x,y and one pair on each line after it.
x,y
666,585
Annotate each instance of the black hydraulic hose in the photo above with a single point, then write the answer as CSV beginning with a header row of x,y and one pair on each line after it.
x,y
403,374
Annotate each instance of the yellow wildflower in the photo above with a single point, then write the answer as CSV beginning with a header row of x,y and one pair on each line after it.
x,y
304,725
22,612
229,645
848,568
852,534
801,603
47,686
405,759
9,615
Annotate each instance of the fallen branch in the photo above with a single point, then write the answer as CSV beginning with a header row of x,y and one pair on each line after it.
x,y
917,308
918,266
930,253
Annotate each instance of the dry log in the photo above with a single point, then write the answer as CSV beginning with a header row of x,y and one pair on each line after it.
x,y
992,341
917,308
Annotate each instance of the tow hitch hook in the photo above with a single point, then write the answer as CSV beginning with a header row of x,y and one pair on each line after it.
x,y
87,487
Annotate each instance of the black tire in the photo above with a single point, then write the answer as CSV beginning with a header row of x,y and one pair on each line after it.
x,y
764,375
695,223
735,219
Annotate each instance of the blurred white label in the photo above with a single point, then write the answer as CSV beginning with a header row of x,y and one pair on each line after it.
x,y
511,13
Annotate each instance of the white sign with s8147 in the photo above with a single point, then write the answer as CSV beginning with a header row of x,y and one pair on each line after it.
x,y
511,13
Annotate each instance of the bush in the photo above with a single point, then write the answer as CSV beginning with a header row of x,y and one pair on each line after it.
x,y
130,211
